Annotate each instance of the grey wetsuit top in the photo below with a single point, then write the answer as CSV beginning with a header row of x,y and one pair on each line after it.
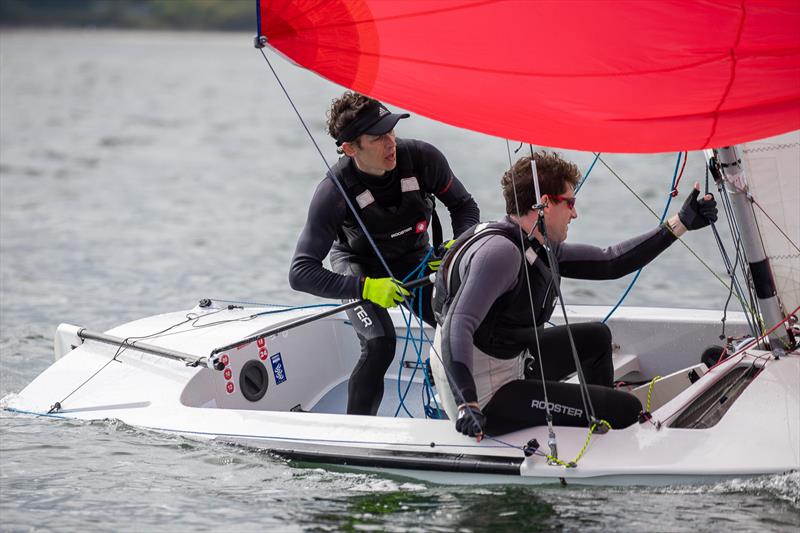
x,y
490,269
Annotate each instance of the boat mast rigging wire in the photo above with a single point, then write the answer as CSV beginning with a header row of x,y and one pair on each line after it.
x,y
730,167
739,261
552,443
330,172
691,251
553,264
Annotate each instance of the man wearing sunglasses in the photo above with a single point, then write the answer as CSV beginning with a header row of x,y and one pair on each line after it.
x,y
496,289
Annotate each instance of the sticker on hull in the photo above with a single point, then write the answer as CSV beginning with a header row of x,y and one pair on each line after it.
x,y
277,368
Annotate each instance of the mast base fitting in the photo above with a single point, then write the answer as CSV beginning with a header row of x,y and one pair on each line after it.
x,y
259,41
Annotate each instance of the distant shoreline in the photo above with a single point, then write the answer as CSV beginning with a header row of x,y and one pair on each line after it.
x,y
171,15
88,28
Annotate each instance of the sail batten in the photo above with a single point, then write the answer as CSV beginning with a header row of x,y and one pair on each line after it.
x,y
589,75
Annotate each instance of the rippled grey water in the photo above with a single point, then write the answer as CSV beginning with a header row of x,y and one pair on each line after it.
x,y
142,171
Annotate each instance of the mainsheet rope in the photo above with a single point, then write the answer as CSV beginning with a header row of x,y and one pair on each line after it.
x,y
418,272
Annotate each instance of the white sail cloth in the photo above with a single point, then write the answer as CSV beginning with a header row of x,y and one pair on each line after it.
x,y
773,173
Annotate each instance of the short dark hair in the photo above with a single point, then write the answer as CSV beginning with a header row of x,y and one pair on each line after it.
x,y
343,110
554,174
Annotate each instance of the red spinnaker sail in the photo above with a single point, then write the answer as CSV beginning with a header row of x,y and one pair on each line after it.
x,y
614,76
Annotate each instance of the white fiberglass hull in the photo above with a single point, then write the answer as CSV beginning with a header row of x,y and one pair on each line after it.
x,y
759,433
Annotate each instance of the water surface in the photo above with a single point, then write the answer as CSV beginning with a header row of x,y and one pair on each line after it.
x,y
140,172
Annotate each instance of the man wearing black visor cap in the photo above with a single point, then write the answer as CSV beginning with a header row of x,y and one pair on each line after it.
x,y
392,183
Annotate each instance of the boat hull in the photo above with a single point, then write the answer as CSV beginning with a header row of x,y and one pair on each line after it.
x,y
300,415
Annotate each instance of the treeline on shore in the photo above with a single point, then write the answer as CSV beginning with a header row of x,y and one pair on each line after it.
x,y
142,14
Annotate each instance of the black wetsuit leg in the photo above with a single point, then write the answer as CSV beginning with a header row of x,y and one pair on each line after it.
x,y
593,343
376,335
520,404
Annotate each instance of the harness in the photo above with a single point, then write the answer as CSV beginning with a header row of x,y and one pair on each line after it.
x,y
401,231
506,329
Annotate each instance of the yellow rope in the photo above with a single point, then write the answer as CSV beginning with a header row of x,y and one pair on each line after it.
x,y
574,462
650,391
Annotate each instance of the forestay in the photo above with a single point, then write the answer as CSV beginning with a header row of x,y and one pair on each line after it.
x,y
588,75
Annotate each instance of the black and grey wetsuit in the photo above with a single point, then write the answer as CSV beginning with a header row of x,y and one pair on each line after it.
x,y
486,320
397,209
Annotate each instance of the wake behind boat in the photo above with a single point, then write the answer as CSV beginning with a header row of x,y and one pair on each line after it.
x,y
242,375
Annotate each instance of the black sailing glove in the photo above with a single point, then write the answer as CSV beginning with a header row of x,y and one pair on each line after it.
x,y
696,214
470,421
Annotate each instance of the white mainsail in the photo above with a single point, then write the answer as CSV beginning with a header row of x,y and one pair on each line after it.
x,y
773,172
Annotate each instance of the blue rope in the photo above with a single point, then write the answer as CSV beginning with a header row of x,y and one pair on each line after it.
x,y
418,352
580,184
428,389
408,336
418,272
661,221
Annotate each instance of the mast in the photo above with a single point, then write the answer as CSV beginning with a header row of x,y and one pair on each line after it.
x,y
733,173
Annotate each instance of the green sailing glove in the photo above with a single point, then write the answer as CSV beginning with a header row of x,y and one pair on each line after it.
x,y
386,292
436,263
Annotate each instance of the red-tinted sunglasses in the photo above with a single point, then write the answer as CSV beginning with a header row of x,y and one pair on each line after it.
x,y
570,200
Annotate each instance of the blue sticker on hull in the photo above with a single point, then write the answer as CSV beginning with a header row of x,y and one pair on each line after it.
x,y
277,368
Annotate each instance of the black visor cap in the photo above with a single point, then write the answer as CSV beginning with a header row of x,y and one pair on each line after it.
x,y
372,120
